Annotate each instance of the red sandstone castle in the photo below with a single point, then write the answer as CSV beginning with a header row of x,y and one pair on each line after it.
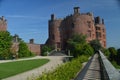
x,y
60,30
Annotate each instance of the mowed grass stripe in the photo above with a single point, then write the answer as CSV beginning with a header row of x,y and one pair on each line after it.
x,y
12,68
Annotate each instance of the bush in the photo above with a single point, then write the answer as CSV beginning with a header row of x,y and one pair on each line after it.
x,y
5,44
66,71
45,49
23,50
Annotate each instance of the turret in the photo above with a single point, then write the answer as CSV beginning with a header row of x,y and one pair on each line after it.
x,y
102,21
97,20
31,41
76,10
52,17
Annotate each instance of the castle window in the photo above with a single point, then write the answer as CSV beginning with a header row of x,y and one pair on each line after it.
x,y
89,33
73,25
98,34
97,28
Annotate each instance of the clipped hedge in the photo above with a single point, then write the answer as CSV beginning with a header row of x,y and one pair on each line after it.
x,y
66,71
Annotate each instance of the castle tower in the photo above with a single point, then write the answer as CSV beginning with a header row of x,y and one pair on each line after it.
x,y
54,33
76,10
31,41
100,31
3,24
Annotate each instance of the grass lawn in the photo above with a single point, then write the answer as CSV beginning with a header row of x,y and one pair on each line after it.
x,y
13,68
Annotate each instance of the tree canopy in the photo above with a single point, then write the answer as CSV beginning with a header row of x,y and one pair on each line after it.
x,y
5,44
78,46
95,44
23,50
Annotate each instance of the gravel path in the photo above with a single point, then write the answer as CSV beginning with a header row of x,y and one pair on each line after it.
x,y
52,64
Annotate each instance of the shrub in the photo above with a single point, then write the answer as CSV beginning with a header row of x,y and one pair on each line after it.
x,y
66,71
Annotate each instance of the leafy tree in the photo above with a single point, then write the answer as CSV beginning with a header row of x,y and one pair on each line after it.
x,y
5,44
96,45
118,56
78,38
113,53
23,50
88,50
106,52
45,49
78,46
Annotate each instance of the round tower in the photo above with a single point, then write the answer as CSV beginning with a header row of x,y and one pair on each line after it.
x,y
54,32
3,24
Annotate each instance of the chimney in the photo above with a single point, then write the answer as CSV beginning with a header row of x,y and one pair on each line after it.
x,y
52,17
76,10
102,21
2,18
97,20
31,41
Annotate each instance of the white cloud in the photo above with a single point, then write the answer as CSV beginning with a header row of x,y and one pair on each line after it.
x,y
26,17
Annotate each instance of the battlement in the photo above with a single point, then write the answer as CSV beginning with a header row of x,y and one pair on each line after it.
x,y
3,19
53,18
76,10
98,20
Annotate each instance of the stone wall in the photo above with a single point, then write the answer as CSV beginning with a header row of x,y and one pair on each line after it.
x,y
35,48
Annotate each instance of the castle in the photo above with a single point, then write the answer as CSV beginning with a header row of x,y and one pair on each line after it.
x,y
60,30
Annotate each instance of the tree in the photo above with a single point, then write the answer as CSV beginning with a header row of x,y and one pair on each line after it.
x,y
106,52
113,53
5,44
45,49
23,50
118,56
88,50
78,38
78,46
96,45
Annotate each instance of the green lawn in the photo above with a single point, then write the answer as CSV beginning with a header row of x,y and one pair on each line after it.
x,y
13,68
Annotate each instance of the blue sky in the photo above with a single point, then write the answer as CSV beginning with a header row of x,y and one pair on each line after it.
x,y
29,18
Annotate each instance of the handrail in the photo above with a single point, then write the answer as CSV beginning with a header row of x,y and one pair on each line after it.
x,y
108,70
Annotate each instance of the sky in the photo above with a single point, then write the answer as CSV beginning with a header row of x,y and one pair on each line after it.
x,y
29,18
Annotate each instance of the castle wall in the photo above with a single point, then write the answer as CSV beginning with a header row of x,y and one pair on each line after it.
x,y
35,48
83,24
